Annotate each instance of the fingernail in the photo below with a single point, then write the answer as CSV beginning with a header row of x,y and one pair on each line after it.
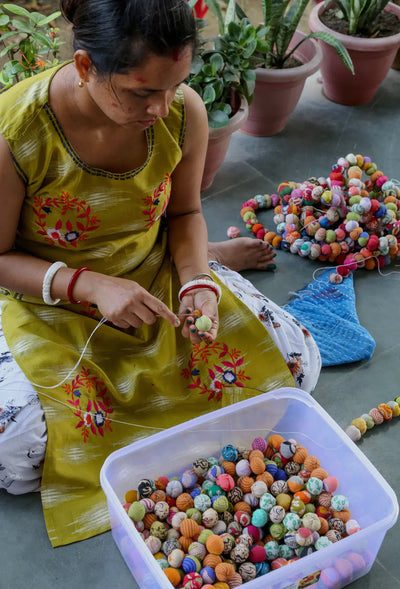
x,y
189,321
274,255
193,329
271,267
187,310
177,322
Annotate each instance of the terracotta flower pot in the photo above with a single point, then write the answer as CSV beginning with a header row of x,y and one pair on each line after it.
x,y
278,91
372,59
218,143
396,63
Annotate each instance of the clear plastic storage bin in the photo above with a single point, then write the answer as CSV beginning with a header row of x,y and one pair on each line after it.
x,y
293,414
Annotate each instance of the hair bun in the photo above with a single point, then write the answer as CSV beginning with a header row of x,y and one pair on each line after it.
x,y
68,8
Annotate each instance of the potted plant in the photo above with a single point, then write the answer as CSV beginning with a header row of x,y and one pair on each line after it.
x,y
365,28
222,75
29,43
284,58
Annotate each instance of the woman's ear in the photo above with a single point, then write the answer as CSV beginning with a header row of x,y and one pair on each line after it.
x,y
82,64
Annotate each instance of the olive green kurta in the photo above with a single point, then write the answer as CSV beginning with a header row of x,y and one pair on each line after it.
x,y
128,385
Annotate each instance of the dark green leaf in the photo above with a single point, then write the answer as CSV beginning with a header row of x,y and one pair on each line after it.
x,y
218,119
208,94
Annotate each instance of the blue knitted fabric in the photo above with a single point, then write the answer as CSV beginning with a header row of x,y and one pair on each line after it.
x,y
328,311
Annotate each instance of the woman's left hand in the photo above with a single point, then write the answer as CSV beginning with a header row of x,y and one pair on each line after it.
x,y
206,302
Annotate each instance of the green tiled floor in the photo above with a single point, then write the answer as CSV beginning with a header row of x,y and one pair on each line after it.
x,y
317,134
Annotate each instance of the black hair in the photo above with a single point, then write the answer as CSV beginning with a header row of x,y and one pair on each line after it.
x,y
119,34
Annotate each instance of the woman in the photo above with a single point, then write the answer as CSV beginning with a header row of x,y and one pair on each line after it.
x,y
101,162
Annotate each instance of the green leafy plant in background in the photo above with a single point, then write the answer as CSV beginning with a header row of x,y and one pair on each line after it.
x,y
280,21
29,43
221,66
360,14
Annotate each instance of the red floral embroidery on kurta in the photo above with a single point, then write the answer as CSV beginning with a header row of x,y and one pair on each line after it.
x,y
153,201
225,372
67,229
93,413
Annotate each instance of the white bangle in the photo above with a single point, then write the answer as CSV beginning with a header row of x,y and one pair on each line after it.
x,y
47,280
198,284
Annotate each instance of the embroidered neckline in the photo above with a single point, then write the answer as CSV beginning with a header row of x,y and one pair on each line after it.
x,y
90,169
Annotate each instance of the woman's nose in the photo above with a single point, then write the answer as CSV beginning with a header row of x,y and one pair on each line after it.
x,y
159,105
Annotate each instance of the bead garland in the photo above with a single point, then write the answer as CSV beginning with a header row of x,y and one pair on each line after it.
x,y
340,219
380,414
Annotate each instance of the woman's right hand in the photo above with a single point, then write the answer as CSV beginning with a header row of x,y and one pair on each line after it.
x,y
123,302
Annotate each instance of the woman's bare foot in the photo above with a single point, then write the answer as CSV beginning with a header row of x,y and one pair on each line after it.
x,y
242,253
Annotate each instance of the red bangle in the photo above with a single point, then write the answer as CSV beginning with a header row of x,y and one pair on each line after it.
x,y
71,284
197,287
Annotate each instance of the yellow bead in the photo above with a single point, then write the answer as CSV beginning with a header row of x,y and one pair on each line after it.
x,y
360,424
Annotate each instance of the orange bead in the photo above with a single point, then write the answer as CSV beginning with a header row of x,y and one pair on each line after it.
x,y
229,467
319,473
173,576
185,542
324,526
256,227
242,506
269,236
257,466
224,571
344,514
386,411
215,544
266,477
275,441
189,528
246,483
300,455
149,519
311,462
158,495
374,177
256,454
184,502
246,210
211,560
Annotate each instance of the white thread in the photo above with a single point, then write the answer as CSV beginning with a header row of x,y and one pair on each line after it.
x,y
290,433
47,280
103,320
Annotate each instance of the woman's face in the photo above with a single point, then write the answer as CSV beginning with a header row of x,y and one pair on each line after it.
x,y
141,97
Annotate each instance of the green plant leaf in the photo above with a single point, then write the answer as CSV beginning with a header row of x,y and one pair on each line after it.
x,y
48,19
19,10
208,94
337,45
22,26
230,14
42,39
4,20
217,119
7,35
214,6
217,61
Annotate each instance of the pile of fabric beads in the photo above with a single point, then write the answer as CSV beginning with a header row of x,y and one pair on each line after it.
x,y
341,219
228,520
384,412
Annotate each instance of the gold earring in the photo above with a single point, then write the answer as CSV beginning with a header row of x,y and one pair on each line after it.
x,y
81,83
